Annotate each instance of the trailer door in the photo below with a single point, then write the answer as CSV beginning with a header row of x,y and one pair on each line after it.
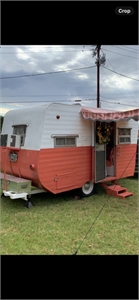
x,y
100,162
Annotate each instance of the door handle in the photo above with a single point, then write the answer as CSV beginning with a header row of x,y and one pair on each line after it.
x,y
119,151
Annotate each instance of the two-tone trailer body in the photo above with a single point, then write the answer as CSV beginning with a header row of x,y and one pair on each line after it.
x,y
55,146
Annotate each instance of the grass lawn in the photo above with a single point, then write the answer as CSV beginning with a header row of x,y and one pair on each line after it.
x,y
58,223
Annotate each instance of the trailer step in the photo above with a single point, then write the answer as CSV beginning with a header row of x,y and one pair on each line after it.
x,y
125,194
116,191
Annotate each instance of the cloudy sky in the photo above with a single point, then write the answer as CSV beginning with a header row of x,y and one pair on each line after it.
x,y
77,82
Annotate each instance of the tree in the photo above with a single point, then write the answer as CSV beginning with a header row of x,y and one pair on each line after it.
x,y
1,122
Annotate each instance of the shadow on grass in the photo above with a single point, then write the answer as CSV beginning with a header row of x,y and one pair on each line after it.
x,y
49,199
134,177
39,199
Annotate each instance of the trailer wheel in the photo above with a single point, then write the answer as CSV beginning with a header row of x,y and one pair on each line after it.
x,y
87,189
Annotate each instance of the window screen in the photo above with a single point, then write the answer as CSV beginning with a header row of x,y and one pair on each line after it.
x,y
65,142
20,130
124,135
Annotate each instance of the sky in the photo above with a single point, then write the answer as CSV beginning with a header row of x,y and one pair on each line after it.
x,y
77,82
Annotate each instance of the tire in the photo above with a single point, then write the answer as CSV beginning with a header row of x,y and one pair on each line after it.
x,y
87,189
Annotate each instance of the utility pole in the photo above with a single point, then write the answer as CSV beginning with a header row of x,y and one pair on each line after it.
x,y
98,74
100,60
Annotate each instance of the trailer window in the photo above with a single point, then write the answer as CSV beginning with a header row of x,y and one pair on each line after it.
x,y
65,142
124,135
3,140
20,130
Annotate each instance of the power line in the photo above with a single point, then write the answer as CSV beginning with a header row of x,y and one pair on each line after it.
x,y
122,95
121,54
71,95
41,46
131,48
100,211
40,52
55,48
71,101
121,81
35,96
121,74
75,50
115,98
127,50
63,51
46,73
36,101
123,104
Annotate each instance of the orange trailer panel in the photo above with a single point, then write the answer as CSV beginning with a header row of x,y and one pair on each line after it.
x,y
125,160
56,170
21,168
63,169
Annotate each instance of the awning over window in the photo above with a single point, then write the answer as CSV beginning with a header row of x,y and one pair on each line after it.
x,y
102,115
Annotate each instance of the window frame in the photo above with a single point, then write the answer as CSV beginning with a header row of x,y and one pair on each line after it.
x,y
22,136
65,137
124,136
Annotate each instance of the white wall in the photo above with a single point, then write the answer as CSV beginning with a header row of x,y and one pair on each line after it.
x,y
70,122
33,116
43,123
128,124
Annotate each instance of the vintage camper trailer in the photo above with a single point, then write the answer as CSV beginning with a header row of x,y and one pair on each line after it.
x,y
60,147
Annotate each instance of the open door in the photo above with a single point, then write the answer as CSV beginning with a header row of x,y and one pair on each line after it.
x,y
100,156
104,150
116,160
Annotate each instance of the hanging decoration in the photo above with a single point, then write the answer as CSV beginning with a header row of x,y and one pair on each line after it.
x,y
103,133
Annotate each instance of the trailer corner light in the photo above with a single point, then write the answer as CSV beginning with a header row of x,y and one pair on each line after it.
x,y
58,117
